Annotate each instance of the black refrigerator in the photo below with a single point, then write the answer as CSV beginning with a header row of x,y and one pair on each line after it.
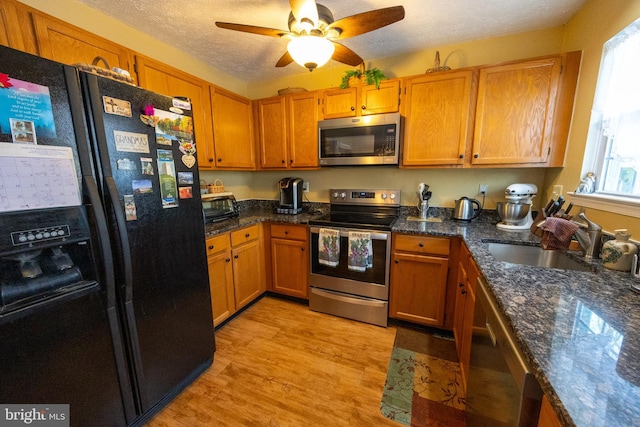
x,y
104,290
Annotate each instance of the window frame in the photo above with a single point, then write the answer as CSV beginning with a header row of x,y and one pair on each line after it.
x,y
597,144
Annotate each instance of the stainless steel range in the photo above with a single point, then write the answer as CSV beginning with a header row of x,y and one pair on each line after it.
x,y
350,255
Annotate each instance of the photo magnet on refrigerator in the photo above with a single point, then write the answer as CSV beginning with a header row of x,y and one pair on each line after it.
x,y
130,208
188,149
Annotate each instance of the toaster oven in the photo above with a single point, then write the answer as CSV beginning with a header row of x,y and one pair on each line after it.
x,y
219,206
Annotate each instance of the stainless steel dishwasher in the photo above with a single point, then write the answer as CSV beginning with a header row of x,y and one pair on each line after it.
x,y
501,391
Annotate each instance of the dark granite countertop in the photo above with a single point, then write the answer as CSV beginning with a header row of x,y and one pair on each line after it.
x,y
579,331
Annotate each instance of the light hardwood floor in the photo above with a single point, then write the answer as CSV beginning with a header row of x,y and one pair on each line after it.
x,y
280,364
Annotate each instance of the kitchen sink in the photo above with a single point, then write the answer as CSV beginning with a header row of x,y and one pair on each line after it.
x,y
535,255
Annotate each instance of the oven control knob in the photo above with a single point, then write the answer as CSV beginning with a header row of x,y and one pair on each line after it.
x,y
392,195
343,195
384,196
335,195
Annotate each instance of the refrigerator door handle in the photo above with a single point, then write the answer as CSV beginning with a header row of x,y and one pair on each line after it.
x,y
124,239
129,311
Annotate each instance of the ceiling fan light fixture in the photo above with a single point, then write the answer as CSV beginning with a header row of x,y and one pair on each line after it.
x,y
310,52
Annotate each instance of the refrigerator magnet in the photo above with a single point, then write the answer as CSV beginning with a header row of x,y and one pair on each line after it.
x,y
186,192
116,106
188,149
141,186
147,165
130,208
131,142
126,164
167,172
182,103
185,178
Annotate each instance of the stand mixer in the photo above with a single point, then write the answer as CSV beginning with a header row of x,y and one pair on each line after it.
x,y
515,213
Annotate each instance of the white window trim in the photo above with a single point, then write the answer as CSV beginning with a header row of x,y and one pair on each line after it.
x,y
605,202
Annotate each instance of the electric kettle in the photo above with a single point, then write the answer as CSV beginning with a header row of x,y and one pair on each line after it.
x,y
464,209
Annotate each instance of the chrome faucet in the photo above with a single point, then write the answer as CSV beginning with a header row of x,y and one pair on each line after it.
x,y
590,240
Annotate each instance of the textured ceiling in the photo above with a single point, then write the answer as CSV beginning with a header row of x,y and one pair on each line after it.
x,y
190,25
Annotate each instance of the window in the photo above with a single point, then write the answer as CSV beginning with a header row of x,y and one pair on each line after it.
x,y
613,146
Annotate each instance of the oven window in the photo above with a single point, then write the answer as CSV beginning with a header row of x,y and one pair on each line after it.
x,y
376,274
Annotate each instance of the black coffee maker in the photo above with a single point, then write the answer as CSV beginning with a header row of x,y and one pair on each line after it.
x,y
290,195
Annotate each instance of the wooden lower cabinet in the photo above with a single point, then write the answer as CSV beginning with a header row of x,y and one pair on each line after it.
x,y
548,417
236,270
290,260
464,315
419,272
220,278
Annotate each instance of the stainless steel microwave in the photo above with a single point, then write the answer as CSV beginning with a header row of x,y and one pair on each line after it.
x,y
367,140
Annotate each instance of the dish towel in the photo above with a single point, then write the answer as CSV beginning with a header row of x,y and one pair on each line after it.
x,y
329,247
360,251
557,233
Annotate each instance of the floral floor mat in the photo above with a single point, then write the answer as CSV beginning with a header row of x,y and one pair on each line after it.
x,y
423,386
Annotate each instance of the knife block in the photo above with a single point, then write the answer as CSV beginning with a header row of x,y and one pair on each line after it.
x,y
535,227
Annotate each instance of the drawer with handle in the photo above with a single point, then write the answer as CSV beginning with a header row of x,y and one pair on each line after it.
x,y
422,244
217,244
245,234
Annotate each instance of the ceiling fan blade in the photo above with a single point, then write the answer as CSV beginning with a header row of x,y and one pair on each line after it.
x,y
272,32
345,55
367,21
304,9
284,60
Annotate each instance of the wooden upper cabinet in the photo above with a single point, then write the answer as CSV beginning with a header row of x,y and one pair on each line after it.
x,y
160,78
272,124
68,44
232,130
438,111
288,131
303,130
361,100
515,112
385,99
338,103
11,27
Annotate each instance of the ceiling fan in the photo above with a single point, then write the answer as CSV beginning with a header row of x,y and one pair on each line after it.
x,y
314,35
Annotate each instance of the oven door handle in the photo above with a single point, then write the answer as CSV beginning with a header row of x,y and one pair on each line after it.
x,y
344,232
349,299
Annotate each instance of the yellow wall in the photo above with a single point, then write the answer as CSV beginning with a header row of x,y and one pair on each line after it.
x,y
478,52
589,29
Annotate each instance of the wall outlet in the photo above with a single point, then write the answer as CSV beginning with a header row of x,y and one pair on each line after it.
x,y
483,188
557,190
305,187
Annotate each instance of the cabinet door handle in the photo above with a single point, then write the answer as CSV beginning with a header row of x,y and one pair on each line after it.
x,y
228,259
302,249
396,261
421,245
364,107
235,256
219,159
283,161
286,232
210,247
461,156
461,284
353,108
475,156
247,235
463,292
210,159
